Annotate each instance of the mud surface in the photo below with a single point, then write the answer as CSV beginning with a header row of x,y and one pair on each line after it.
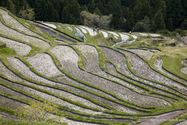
x,y
53,33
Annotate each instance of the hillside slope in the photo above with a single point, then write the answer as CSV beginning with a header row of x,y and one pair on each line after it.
x,y
92,82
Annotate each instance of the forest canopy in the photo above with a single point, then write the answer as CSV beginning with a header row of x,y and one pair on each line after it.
x,y
125,15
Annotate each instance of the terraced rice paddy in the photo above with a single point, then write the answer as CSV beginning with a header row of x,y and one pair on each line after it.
x,y
13,23
89,84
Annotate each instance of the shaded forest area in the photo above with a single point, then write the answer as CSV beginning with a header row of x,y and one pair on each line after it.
x,y
125,15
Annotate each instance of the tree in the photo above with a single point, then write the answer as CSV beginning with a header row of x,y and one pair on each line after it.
x,y
75,11
129,24
146,9
184,24
178,13
117,20
137,11
159,23
100,7
3,2
97,11
84,8
169,25
10,6
143,26
184,3
111,7
175,11
65,17
27,13
91,6
90,19
162,8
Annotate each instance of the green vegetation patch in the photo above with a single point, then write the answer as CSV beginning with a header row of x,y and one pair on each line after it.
x,y
2,45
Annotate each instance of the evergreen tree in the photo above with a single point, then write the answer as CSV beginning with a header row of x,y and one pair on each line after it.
x,y
162,7
45,12
175,11
65,17
129,24
159,23
84,8
169,25
10,6
178,13
51,12
184,3
100,7
91,6
119,2
17,6
3,2
137,11
117,19
146,9
184,24
111,7
97,11
76,13
155,4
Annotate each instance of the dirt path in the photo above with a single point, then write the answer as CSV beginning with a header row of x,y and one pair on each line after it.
x,y
161,118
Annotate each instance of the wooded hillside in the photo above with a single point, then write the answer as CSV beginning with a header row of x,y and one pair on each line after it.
x,y
135,15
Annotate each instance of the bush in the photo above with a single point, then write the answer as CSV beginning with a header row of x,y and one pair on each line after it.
x,y
178,31
143,26
184,33
165,33
90,20
174,33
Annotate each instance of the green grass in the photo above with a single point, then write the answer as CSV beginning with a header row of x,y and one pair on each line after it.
x,y
6,52
2,45
172,57
22,122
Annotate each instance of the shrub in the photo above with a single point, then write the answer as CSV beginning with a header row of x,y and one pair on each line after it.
x,y
174,33
90,20
143,26
184,33
165,33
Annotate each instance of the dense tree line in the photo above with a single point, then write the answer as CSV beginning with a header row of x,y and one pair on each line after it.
x,y
136,15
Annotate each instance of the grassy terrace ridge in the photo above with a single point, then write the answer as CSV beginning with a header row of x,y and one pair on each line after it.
x,y
3,21
128,64
42,100
121,110
117,69
153,67
147,109
81,59
74,117
151,92
174,58
120,101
